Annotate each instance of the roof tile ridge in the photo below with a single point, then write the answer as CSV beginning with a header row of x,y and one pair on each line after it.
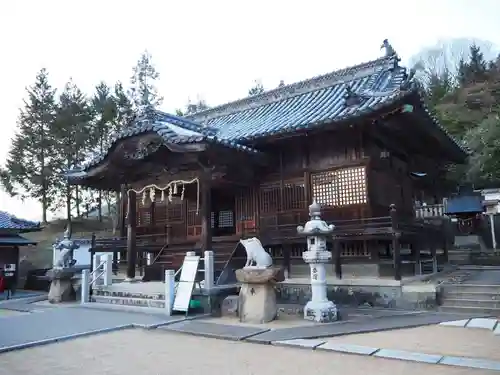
x,y
320,81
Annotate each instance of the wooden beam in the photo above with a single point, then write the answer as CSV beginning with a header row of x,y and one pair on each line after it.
x,y
131,234
206,208
123,211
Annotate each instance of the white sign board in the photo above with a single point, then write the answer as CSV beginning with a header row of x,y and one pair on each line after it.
x,y
81,255
186,283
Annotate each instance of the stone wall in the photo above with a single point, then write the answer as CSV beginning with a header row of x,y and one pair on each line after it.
x,y
420,296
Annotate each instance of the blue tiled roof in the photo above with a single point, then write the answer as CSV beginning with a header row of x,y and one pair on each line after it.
x,y
334,97
173,130
308,103
8,221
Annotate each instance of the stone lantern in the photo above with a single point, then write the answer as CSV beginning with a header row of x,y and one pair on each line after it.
x,y
319,308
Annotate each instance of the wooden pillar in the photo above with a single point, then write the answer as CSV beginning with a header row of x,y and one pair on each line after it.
x,y
131,234
445,249
432,243
206,209
123,211
416,249
396,245
287,258
337,257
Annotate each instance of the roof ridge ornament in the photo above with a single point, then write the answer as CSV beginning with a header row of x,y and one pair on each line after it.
x,y
351,98
389,50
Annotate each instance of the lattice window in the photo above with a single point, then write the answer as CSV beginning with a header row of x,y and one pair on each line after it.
x,y
226,219
175,212
294,195
269,198
341,187
245,205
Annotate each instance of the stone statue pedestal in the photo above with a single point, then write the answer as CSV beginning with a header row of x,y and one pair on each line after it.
x,y
61,285
257,299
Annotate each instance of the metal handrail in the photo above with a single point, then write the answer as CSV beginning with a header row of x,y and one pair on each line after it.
x,y
159,254
177,272
99,266
93,280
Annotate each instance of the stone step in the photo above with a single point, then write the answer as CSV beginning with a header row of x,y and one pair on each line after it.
x,y
494,312
472,295
127,301
470,288
128,294
482,303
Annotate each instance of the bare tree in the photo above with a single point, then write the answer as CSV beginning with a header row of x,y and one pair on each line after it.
x,y
443,59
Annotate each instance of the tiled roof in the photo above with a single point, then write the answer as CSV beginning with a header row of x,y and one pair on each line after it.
x,y
333,97
173,130
8,221
16,240
308,103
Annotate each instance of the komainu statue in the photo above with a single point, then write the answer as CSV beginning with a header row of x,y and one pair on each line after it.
x,y
257,257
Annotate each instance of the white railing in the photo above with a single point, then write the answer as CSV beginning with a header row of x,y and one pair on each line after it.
x,y
102,275
430,210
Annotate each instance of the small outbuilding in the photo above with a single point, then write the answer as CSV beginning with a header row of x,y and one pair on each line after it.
x,y
11,240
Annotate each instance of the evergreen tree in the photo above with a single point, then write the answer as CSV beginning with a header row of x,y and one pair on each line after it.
x,y
29,168
438,86
256,89
475,69
73,136
125,114
104,113
192,108
143,92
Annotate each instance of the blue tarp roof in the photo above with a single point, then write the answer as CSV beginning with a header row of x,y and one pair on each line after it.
x,y
462,204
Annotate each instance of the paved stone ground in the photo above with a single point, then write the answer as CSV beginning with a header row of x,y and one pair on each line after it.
x,y
477,343
485,277
19,295
153,352
56,323
381,323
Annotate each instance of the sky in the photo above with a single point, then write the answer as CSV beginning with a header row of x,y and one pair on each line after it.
x,y
213,49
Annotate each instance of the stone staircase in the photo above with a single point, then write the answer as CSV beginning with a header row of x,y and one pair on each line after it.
x,y
173,256
142,295
470,298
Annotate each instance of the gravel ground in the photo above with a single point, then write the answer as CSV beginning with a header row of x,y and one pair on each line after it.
x,y
138,352
466,342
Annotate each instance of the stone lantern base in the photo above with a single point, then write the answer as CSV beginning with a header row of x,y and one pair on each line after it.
x,y
61,285
321,312
257,299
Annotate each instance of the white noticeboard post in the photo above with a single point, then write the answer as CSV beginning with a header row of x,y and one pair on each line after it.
x,y
186,283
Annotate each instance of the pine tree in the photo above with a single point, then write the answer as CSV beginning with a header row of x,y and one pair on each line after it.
x,y
104,113
143,92
256,89
192,107
29,168
475,69
73,137
125,114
